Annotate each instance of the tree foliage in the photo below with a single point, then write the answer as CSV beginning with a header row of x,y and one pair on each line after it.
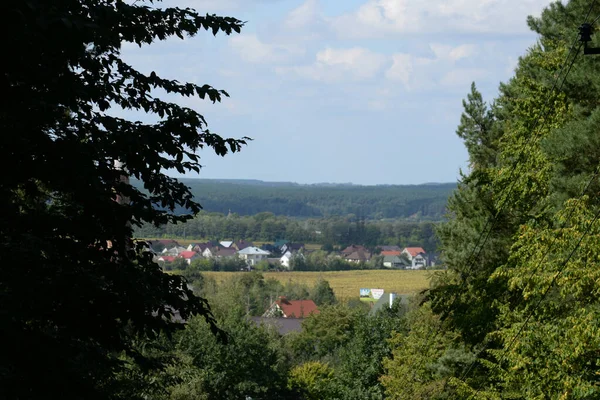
x,y
517,311
76,292
248,197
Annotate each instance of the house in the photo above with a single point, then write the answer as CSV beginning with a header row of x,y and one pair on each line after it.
x,y
285,308
389,248
226,243
358,256
396,262
353,248
166,259
279,243
158,245
391,252
173,251
253,255
199,247
221,253
189,256
285,259
242,244
270,248
291,247
417,257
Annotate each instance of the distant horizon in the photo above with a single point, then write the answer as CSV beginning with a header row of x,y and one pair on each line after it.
x,y
249,180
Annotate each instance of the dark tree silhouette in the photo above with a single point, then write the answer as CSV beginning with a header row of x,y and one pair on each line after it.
x,y
76,291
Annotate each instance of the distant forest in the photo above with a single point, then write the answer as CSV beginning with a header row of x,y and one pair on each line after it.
x,y
330,231
426,202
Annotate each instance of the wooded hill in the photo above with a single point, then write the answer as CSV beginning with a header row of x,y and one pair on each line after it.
x,y
249,197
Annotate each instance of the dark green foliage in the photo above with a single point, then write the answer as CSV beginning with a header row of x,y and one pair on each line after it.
x,y
249,365
325,333
359,364
477,130
425,201
510,306
76,292
333,231
322,293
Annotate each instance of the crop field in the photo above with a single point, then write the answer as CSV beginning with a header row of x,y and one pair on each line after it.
x,y
347,284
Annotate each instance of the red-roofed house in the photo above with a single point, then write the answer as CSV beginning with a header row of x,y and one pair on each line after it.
x,y
166,258
189,256
285,308
391,253
417,257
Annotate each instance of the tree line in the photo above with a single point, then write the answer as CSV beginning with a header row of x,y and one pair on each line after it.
x,y
332,231
417,202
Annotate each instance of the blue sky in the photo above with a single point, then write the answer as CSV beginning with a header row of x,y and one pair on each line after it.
x,y
361,91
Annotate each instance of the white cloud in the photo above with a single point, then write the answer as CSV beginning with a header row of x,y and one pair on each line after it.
x,y
422,73
376,18
304,15
252,49
445,52
333,65
461,77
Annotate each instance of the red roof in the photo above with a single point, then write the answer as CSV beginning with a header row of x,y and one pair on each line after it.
x,y
168,258
297,308
391,253
413,251
187,254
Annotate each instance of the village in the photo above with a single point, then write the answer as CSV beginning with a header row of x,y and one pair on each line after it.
x,y
283,255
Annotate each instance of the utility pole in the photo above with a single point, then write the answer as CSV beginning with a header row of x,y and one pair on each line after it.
x,y
585,36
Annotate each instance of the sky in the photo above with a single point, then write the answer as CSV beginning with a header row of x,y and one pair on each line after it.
x,y
346,91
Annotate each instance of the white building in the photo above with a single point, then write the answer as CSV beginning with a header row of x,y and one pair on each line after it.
x,y
285,259
417,257
253,255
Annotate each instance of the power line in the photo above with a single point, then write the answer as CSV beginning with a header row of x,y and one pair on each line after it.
x,y
493,219
534,271
560,271
594,176
513,169
463,376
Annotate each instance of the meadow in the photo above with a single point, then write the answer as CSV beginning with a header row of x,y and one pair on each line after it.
x,y
347,284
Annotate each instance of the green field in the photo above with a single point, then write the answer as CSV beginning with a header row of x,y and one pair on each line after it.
x,y
347,284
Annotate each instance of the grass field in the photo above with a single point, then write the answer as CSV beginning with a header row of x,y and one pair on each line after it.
x,y
347,284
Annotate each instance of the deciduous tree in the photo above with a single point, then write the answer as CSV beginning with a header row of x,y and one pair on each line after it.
x,y
76,292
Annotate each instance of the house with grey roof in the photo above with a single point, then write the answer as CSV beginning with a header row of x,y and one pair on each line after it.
x,y
253,255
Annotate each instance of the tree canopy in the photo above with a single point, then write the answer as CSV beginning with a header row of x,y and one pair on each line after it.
x,y
76,291
516,313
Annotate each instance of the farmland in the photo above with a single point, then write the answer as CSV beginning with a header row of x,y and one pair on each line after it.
x,y
346,284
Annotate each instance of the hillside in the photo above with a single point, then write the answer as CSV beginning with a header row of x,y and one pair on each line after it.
x,y
250,197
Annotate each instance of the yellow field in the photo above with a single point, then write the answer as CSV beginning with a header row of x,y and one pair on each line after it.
x,y
347,284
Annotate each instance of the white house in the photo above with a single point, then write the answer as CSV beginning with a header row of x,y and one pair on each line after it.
x,y
173,251
253,255
417,257
226,243
285,259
